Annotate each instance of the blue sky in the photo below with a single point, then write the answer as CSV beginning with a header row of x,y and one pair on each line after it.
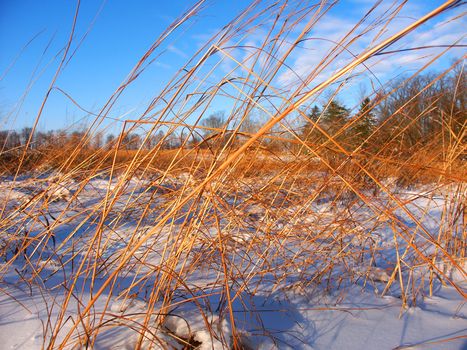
x,y
32,33
121,34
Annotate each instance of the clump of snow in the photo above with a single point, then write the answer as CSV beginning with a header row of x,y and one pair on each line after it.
x,y
57,192
123,305
454,273
378,274
11,194
193,326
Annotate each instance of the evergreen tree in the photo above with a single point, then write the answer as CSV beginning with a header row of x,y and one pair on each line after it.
x,y
315,113
309,131
366,122
335,116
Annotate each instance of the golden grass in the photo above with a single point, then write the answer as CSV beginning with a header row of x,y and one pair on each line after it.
x,y
238,209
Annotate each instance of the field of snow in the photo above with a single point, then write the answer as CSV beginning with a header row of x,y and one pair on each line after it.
x,y
88,263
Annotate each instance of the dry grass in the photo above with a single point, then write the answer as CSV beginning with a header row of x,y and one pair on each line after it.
x,y
238,212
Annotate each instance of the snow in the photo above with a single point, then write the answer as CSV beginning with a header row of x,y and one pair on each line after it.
x,y
364,321
298,312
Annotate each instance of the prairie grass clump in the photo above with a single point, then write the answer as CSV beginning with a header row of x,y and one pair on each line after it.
x,y
175,235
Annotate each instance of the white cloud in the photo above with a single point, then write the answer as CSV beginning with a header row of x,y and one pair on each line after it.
x,y
177,51
162,65
308,58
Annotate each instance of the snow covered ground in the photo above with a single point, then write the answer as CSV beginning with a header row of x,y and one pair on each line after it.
x,y
362,321
321,280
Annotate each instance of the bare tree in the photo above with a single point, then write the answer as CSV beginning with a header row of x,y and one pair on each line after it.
x,y
215,121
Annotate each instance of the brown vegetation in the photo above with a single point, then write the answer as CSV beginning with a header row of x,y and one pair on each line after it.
x,y
238,197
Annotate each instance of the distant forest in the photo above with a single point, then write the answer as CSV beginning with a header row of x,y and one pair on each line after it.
x,y
413,111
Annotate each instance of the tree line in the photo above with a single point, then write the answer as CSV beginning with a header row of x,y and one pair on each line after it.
x,y
413,112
